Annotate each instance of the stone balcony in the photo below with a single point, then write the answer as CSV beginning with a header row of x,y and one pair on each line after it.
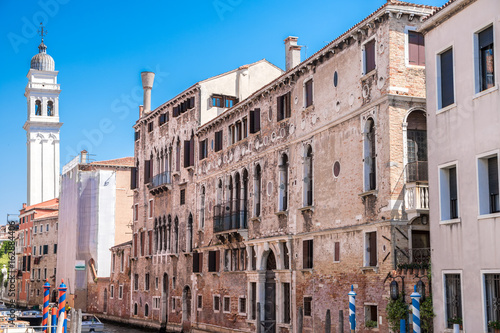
x,y
230,219
160,183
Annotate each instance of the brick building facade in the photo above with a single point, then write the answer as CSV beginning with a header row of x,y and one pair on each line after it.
x,y
315,182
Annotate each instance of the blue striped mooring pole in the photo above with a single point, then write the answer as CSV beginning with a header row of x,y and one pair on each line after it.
x,y
415,302
352,308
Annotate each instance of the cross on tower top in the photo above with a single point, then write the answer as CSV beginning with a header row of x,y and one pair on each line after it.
x,y
42,32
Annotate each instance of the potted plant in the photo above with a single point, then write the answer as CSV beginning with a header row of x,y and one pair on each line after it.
x,y
370,324
455,320
495,325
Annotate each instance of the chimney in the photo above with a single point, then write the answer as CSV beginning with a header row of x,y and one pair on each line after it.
x,y
292,52
147,85
141,111
83,156
24,205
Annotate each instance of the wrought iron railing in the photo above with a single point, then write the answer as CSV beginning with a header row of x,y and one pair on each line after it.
x,y
413,256
230,215
163,178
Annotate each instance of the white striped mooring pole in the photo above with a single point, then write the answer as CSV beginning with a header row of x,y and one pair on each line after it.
x,y
352,309
415,302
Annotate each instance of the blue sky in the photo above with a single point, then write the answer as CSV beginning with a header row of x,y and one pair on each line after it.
x,y
100,48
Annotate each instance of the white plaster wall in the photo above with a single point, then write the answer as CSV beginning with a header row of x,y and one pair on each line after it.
x,y
460,134
105,221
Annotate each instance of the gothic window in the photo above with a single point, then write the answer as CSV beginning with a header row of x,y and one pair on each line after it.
x,y
202,208
283,189
308,177
257,190
176,235
169,232
50,108
189,247
370,156
38,108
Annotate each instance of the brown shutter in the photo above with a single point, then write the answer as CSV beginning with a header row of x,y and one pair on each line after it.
x,y
373,248
309,93
196,263
142,243
279,104
186,153
305,254
147,171
413,47
200,264
421,50
191,151
252,121
370,56
133,178
217,260
178,157
150,170
288,104
257,120
135,245
150,242
337,251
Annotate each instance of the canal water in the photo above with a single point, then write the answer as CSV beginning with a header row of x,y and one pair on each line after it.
x,y
116,328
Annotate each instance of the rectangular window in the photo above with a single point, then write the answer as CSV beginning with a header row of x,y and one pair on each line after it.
x,y
216,303
227,304
150,208
284,106
47,228
45,249
156,303
254,121
120,292
307,306
142,242
122,262
445,79
163,118
485,59
203,144
371,249
448,191
146,281
253,300
199,303
189,152
150,127
308,93
147,171
229,101
488,185
213,261
307,260
111,291
242,306
218,141
150,242
197,262
286,303
369,56
416,50
453,298
371,316
137,135
135,245
336,254
492,297
183,196
173,303
136,281
217,101
136,212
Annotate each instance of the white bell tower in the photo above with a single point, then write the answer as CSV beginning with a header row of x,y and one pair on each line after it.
x,y
42,128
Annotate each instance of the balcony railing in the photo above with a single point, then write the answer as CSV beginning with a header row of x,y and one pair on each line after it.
x,y
230,215
417,197
163,178
417,172
413,256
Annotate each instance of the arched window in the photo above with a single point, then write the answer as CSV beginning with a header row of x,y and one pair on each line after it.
x,y
38,108
416,147
283,190
135,309
157,245
178,155
50,108
236,203
189,238
244,201
308,177
369,156
202,208
176,235
257,185
146,310
169,232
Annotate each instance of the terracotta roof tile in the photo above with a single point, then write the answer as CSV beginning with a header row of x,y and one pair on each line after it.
x,y
48,215
49,204
124,161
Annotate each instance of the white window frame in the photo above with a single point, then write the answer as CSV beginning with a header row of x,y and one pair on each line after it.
x,y
444,190
443,273
156,303
365,305
112,291
197,303
438,54
475,56
366,243
409,28
239,307
47,227
224,304
173,303
307,79
363,57
120,291
150,209
483,272
213,303
482,182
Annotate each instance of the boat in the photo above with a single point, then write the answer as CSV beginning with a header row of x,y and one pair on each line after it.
x,y
91,323
34,317
16,326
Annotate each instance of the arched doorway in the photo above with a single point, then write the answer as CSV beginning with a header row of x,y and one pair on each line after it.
x,y
270,295
186,309
105,303
164,294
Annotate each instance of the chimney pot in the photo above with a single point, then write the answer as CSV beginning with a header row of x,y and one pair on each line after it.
x,y
147,84
292,52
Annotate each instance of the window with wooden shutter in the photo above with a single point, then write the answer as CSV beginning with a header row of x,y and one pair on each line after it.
x,y
135,245
283,106
203,149
337,252
133,178
493,184
307,259
137,135
147,171
373,248
187,153
253,300
452,172
307,306
178,156
142,243
218,141
213,261
175,111
150,241
447,96
309,93
191,151
286,303
416,49
369,56
197,262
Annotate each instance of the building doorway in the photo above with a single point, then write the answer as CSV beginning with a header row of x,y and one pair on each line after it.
x,y
270,295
